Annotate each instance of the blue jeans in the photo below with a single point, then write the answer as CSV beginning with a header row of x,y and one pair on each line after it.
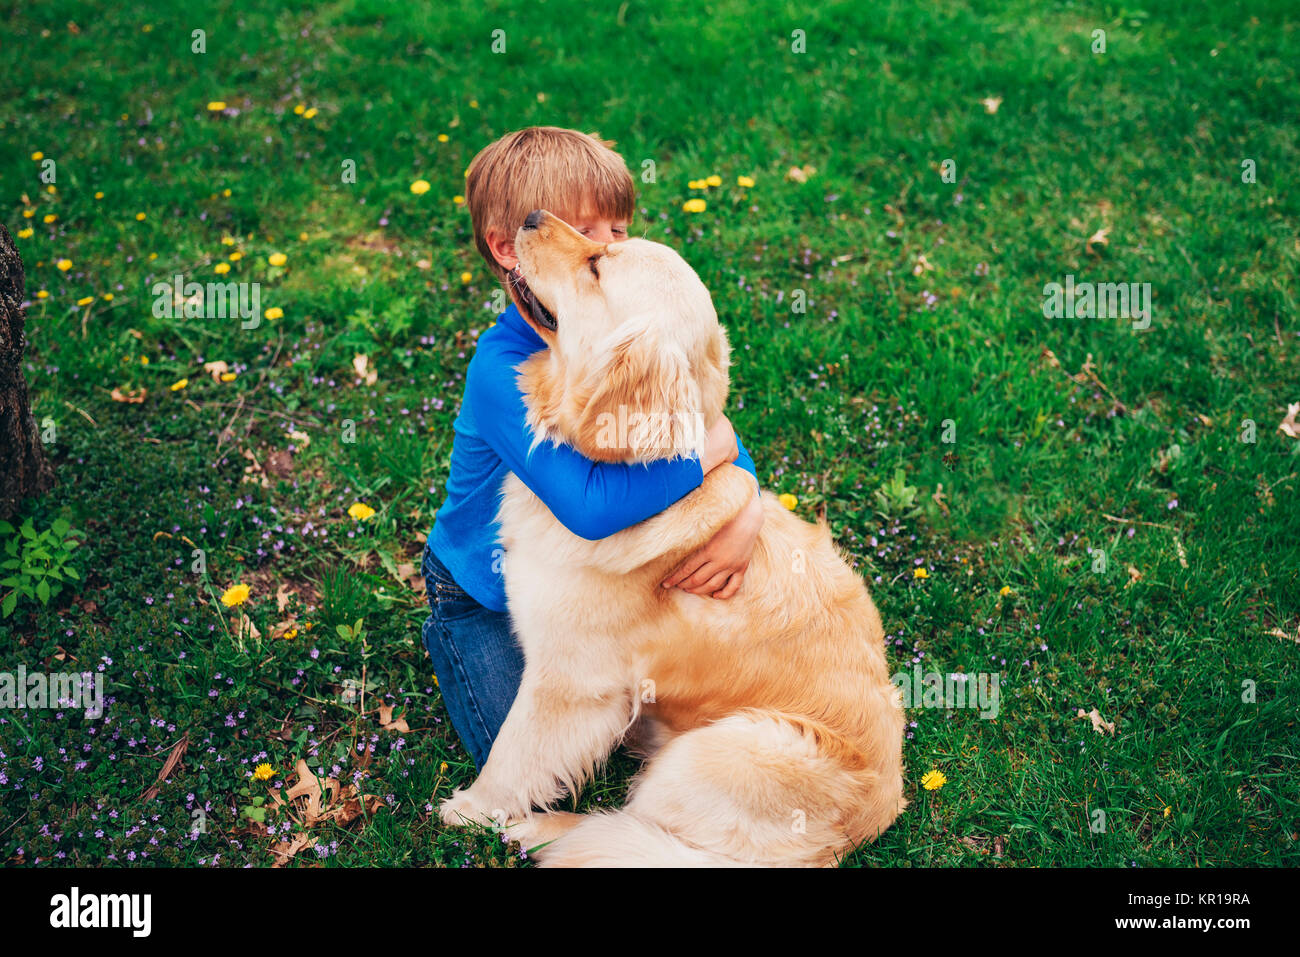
x,y
475,655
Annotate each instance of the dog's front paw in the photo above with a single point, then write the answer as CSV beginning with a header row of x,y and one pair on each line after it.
x,y
464,807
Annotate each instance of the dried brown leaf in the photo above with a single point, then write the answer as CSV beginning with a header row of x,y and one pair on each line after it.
x,y
386,720
173,759
1099,724
363,368
131,396
1289,426
284,852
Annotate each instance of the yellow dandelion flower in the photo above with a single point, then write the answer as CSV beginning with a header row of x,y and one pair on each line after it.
x,y
229,376
303,237
788,500
99,195
179,384
277,259
306,626
64,265
746,181
263,772
694,206
466,276
26,233
473,104
107,297
714,180
1004,591
696,184
920,573
216,106
51,188
442,768
226,192
308,114
153,256
85,300
300,109
420,187
933,780
458,200
42,294
49,218
221,268
235,595
1168,811
290,634
227,240
139,217
360,511
28,213
275,312
443,137
144,360
236,256
37,156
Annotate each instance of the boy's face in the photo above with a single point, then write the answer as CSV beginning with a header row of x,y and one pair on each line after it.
x,y
595,227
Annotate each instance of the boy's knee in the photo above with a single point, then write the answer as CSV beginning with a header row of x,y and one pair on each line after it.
x,y
429,636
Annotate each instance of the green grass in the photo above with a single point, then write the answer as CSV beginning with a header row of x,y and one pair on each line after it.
x,y
1144,461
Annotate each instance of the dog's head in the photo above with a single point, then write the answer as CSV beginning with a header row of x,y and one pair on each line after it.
x,y
637,364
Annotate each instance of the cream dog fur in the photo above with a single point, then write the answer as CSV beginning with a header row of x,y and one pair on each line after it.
x,y
772,730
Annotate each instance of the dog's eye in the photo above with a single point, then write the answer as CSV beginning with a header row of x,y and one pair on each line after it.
x,y
591,261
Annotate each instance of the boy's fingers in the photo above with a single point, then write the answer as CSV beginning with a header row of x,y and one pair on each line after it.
x,y
712,585
732,586
686,568
704,574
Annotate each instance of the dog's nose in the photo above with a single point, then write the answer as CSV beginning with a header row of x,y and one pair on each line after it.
x,y
534,219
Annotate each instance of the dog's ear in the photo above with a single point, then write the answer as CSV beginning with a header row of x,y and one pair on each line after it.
x,y
645,400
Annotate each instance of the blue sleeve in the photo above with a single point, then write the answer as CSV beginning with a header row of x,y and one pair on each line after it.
x,y
591,499
745,462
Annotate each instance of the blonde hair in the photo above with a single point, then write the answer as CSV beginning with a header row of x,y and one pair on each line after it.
x,y
544,167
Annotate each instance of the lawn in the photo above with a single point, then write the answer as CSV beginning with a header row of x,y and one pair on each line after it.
x,y
1100,511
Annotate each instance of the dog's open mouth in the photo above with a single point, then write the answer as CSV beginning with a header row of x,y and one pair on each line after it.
x,y
524,295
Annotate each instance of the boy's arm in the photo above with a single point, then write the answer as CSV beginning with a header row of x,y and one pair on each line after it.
x,y
745,462
591,499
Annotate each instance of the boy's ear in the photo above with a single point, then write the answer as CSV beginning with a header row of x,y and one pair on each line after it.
x,y
502,248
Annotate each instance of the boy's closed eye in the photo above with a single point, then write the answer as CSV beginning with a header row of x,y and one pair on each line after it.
x,y
603,231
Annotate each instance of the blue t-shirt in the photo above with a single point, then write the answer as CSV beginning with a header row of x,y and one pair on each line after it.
x,y
492,437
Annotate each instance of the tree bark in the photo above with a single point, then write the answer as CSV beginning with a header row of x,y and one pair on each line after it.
x,y
24,469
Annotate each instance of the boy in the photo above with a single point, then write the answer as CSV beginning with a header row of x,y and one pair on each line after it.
x,y
468,634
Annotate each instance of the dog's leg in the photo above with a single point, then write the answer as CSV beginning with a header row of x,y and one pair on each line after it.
x,y
751,789
542,828
556,733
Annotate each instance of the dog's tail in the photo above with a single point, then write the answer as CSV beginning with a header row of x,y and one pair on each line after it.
x,y
623,839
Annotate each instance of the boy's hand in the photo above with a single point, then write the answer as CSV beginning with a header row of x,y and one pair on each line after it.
x,y
719,445
718,569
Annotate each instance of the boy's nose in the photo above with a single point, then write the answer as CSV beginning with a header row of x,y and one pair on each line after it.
x,y
534,219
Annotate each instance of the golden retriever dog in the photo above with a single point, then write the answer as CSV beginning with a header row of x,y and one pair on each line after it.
x,y
772,731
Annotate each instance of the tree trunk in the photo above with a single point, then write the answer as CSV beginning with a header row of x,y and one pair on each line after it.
x,y
24,469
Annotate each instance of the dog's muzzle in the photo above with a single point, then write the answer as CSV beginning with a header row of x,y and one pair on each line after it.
x,y
524,293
